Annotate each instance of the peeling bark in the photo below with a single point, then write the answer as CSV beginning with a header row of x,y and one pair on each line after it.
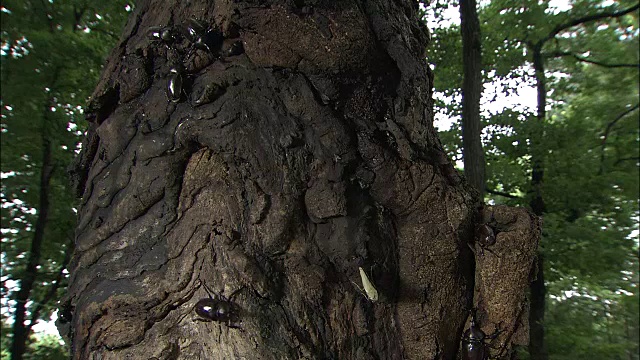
x,y
275,176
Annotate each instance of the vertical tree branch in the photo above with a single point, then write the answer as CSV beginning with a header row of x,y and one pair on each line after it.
x,y
473,154
607,131
20,331
537,344
53,289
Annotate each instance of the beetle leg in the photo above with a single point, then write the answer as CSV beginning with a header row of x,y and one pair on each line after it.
x,y
472,249
491,251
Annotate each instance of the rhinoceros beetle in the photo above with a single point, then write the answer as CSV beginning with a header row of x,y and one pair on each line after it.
x,y
485,237
174,85
161,33
474,341
235,49
219,309
204,37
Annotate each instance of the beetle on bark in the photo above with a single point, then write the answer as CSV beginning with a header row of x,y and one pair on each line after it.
x,y
203,37
485,237
174,85
219,309
161,33
474,341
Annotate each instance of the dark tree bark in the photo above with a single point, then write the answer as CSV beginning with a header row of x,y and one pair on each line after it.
x,y
275,175
473,154
20,331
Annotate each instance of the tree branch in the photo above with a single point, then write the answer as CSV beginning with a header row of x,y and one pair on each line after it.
x,y
500,193
108,33
586,60
607,131
586,19
48,16
53,289
636,158
20,333
77,16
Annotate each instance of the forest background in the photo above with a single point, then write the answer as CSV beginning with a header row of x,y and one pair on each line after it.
x,y
587,141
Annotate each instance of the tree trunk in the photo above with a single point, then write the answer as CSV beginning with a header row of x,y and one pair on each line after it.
x,y
281,176
537,343
473,154
20,329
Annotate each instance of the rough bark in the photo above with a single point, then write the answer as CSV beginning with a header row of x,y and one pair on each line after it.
x,y
20,331
501,271
279,173
473,154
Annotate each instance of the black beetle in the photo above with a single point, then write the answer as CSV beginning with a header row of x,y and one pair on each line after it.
x,y
485,236
209,40
214,310
65,313
174,85
474,345
219,309
161,33
235,49
195,30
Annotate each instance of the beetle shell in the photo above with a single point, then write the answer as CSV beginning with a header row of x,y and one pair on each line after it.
x,y
235,49
174,86
211,40
485,236
65,315
166,34
204,38
160,33
201,44
154,32
473,350
473,346
195,30
214,310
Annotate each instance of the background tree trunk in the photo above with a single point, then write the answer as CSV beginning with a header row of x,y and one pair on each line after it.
x,y
537,343
473,154
21,331
275,175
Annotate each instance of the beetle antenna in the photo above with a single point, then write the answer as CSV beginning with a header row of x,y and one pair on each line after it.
x,y
208,290
236,292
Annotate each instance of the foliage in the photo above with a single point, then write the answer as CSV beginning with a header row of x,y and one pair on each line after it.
x,y
51,56
5,328
589,150
47,347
